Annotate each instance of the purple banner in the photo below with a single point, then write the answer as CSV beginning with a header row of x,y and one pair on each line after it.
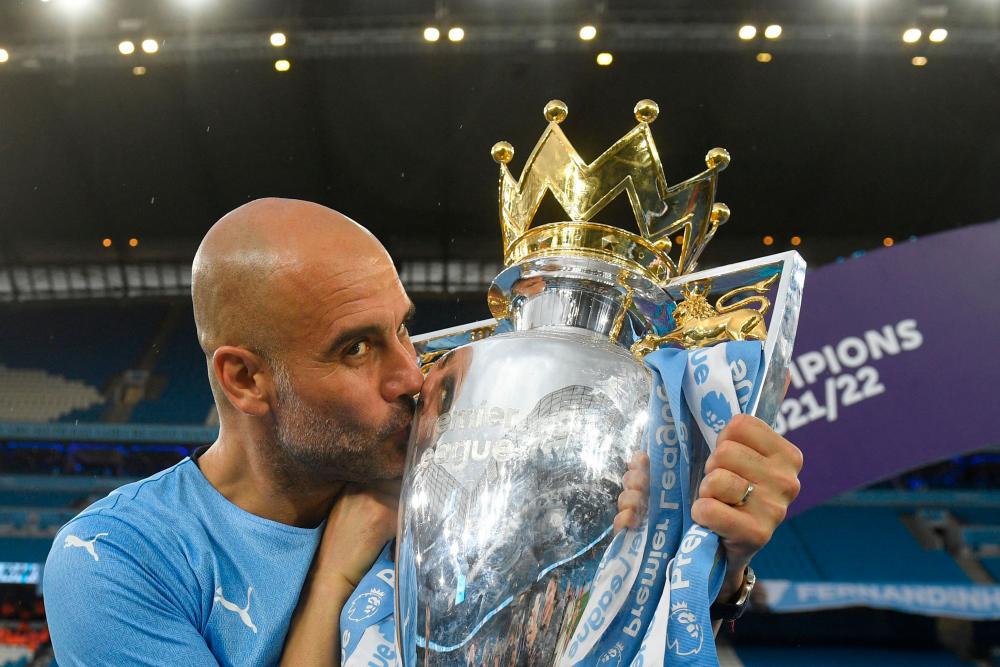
x,y
896,362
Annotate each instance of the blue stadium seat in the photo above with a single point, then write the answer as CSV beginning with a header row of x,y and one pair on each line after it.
x,y
12,517
983,516
39,498
826,544
992,565
786,557
977,537
187,396
841,656
25,549
837,536
89,342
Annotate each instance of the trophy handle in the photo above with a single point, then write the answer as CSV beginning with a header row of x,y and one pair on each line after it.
x,y
699,323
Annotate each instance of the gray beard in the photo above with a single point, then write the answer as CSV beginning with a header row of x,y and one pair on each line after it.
x,y
318,449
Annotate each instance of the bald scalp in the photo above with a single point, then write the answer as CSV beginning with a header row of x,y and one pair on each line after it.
x,y
254,262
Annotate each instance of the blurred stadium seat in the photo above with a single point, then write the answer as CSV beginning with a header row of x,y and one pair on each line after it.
x,y
186,397
822,545
840,656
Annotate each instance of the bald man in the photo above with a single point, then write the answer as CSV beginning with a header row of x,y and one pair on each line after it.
x,y
303,323
245,553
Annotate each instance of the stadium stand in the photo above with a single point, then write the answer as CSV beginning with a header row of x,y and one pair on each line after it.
x,y
36,396
186,397
61,363
822,544
838,656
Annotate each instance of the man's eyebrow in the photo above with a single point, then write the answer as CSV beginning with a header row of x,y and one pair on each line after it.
x,y
345,337
364,331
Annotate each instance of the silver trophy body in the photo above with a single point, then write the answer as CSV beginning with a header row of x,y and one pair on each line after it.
x,y
515,464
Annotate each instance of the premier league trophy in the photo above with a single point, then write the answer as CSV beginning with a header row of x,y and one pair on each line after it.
x,y
526,423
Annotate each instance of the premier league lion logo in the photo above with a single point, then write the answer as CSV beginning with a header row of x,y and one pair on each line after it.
x,y
715,411
613,658
684,635
365,605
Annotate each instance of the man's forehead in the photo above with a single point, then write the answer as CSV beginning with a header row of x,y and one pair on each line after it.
x,y
377,301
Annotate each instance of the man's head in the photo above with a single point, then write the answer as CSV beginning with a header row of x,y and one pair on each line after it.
x,y
302,318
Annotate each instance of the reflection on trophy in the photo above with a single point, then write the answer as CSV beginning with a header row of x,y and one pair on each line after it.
x,y
521,438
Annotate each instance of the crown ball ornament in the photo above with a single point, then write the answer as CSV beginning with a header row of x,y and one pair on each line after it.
x,y
556,111
717,158
646,111
502,152
720,213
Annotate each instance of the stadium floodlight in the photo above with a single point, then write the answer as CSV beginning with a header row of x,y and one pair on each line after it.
x,y
73,7
431,34
604,58
772,31
139,70
912,35
747,32
126,47
282,65
764,57
938,35
150,45
456,34
4,55
278,39
588,32
919,61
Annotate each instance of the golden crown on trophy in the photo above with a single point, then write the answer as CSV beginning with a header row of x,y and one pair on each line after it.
x,y
686,210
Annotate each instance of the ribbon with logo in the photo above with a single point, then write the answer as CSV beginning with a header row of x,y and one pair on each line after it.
x,y
649,603
367,623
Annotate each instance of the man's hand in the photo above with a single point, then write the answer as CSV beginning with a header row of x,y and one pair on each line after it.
x,y
748,451
360,523
633,500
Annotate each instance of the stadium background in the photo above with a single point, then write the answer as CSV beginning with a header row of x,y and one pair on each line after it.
x,y
844,136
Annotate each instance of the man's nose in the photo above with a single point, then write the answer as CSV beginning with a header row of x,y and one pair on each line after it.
x,y
405,378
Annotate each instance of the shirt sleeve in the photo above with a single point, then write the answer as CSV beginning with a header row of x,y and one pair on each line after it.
x,y
107,603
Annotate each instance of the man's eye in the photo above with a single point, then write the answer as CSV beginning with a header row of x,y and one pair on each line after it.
x,y
359,349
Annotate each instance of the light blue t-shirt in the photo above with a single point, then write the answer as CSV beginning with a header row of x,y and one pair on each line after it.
x,y
167,571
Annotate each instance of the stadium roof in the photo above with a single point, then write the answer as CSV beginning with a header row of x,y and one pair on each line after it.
x,y
838,139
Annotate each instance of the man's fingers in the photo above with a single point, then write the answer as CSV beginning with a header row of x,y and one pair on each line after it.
x,y
640,461
738,458
626,519
732,524
631,499
755,434
637,480
723,485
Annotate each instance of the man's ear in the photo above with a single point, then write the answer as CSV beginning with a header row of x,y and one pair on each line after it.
x,y
244,378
